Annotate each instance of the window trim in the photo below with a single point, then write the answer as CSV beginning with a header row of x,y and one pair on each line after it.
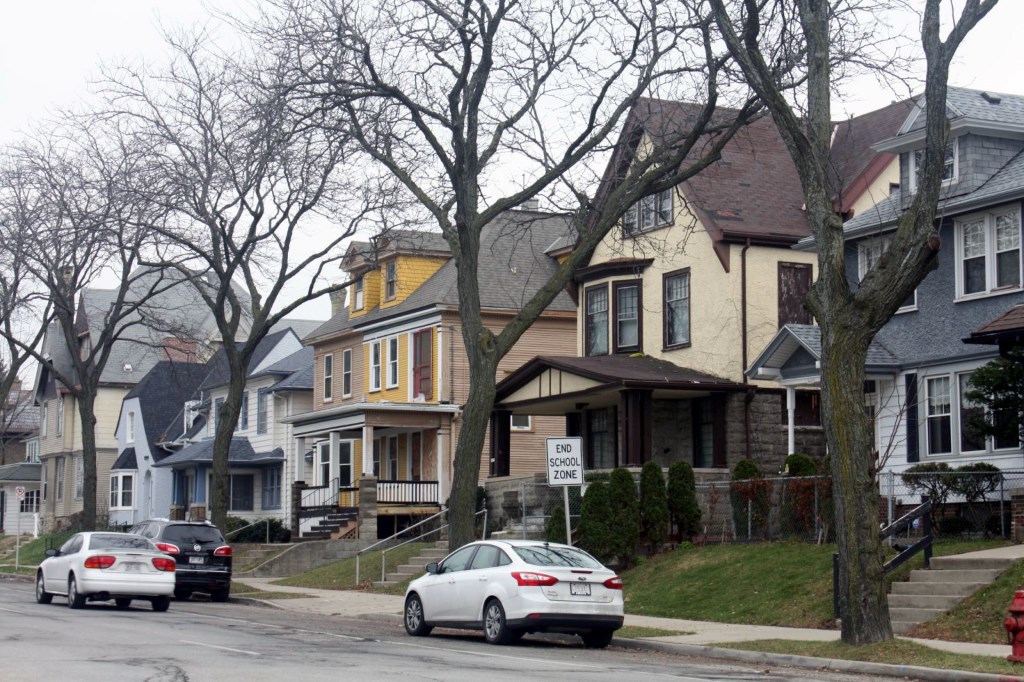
x,y
666,344
422,367
243,413
346,373
616,287
59,421
328,383
955,177
119,491
390,280
512,423
262,411
252,492
44,419
79,476
988,219
267,490
391,375
587,291
130,430
632,219
376,359
358,294
59,478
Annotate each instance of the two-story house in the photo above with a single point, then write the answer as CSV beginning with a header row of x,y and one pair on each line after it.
x,y
920,365
675,303
391,372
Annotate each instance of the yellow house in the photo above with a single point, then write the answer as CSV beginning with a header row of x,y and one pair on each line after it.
x,y
390,368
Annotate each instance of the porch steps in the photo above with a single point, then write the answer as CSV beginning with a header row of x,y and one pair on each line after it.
x,y
416,565
247,556
930,593
333,527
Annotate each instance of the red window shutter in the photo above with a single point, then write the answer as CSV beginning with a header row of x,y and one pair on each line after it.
x,y
423,364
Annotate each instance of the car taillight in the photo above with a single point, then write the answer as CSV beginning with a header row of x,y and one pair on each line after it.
x,y
613,583
222,551
162,563
526,579
167,548
100,561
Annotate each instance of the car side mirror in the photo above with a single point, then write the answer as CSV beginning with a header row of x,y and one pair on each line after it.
x,y
52,552
432,568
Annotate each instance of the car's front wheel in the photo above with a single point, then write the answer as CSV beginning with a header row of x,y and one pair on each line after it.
x,y
161,603
75,599
597,639
496,630
42,596
415,620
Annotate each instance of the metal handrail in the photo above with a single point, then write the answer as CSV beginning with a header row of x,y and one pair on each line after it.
x,y
320,494
384,552
249,525
406,530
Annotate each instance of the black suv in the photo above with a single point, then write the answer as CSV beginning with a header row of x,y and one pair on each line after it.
x,y
199,548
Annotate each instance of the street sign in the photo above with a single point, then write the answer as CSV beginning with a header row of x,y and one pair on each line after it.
x,y
565,461
19,492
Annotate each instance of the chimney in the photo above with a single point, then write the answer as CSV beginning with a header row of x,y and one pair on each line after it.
x,y
337,301
16,386
180,350
530,205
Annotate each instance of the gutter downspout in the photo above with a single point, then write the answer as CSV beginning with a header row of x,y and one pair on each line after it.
x,y
749,397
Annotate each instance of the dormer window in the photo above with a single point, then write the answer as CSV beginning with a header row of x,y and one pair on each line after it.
x,y
950,170
357,295
390,281
649,213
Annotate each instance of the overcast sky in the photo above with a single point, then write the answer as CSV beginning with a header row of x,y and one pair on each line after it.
x,y
51,49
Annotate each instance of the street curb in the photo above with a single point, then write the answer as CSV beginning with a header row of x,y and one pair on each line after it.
x,y
16,577
812,663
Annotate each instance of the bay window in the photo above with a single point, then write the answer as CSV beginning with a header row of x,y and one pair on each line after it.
x,y
121,490
988,253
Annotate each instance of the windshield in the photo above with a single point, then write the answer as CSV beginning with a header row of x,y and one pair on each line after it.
x,y
543,555
122,541
192,534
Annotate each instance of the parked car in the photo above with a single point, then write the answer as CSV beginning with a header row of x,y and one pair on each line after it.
x,y
199,548
105,566
508,588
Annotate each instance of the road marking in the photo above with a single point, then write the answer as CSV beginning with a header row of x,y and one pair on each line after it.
x,y
284,627
20,613
222,648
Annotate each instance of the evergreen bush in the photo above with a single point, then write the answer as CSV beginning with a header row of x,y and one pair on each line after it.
x,y
625,531
682,499
596,521
554,530
653,506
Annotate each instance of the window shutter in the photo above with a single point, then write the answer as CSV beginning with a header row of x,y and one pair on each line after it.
x,y
913,447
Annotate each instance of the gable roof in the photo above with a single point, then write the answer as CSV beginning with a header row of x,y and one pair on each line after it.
x,y
162,394
20,415
28,472
240,452
512,267
220,372
804,341
967,110
296,371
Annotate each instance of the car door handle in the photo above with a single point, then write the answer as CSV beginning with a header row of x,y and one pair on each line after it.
x,y
483,579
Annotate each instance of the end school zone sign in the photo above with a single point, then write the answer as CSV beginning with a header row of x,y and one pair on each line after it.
x,y
565,461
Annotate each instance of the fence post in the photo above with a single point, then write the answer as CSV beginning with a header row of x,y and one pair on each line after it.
x,y
1002,511
891,502
750,520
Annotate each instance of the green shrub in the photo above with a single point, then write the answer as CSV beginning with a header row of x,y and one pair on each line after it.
x,y
934,479
653,506
799,464
257,532
682,499
798,509
751,502
596,521
554,530
625,532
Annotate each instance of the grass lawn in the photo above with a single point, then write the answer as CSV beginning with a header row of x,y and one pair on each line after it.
x,y
639,632
341,575
30,554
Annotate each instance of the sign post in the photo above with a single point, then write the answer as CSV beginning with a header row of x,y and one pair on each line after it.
x,y
19,493
565,468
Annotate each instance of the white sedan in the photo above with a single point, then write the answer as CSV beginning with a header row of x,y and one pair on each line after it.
x,y
104,566
508,588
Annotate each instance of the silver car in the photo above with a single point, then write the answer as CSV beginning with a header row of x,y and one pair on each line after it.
x,y
508,588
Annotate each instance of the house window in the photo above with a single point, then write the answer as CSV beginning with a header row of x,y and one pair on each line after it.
x,y
270,495
32,452
869,252
243,415
806,411
971,439
44,419
261,411
345,462
131,427
357,294
988,253
45,481
375,359
241,492
950,168
30,503
328,378
376,458
648,213
58,480
79,476
600,439
121,489
522,422
794,285
676,321
390,281
596,329
392,458
628,332
346,373
324,461
393,362
423,365
939,417
60,416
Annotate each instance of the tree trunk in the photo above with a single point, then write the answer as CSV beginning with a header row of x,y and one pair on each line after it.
x,y
87,414
227,420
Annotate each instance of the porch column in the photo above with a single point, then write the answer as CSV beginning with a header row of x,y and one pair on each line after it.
x,y
300,460
442,463
335,440
367,450
636,429
791,419
501,442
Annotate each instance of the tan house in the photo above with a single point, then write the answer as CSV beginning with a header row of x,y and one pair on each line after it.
x,y
675,304
391,372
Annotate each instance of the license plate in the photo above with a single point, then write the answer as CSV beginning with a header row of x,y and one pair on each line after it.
x,y
579,589
131,567
197,560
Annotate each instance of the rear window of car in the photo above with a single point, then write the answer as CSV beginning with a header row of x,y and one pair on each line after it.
x,y
186,533
113,541
557,556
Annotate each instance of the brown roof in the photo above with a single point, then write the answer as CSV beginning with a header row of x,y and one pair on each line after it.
x,y
1009,323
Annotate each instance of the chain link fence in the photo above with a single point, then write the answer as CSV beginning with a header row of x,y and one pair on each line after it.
x,y
965,505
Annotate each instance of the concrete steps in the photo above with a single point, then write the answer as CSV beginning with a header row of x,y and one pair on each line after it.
x,y
246,556
416,566
334,527
930,593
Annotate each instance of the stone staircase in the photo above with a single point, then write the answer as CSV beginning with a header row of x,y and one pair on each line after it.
x,y
929,593
416,566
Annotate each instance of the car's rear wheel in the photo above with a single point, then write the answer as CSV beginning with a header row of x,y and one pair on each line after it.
x,y
161,603
75,600
415,620
597,639
220,595
42,596
496,630
122,603
182,594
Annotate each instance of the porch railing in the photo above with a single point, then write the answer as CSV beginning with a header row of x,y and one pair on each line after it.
x,y
408,492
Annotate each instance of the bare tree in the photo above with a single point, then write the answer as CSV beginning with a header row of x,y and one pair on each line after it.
x,y
455,97
247,188
849,319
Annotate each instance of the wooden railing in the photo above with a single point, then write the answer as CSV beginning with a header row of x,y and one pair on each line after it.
x,y
408,492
